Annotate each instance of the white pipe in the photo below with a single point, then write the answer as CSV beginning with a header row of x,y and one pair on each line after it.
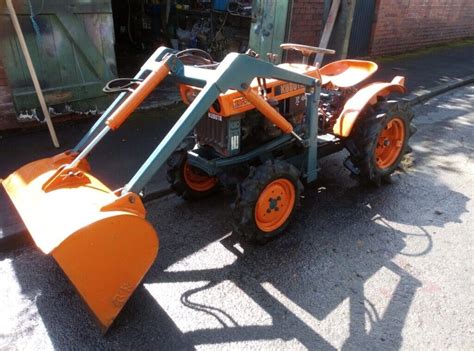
x,y
31,68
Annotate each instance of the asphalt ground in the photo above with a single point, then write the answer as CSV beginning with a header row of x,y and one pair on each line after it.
x,y
359,268
427,68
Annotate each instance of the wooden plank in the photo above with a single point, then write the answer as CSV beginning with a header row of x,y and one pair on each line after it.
x,y
279,31
79,36
339,40
73,59
91,25
48,58
106,30
19,66
51,7
26,99
268,27
100,29
26,53
33,48
65,55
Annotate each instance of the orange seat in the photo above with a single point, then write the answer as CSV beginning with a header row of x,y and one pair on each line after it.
x,y
300,68
347,73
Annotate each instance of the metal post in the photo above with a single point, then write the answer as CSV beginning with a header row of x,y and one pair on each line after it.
x,y
312,113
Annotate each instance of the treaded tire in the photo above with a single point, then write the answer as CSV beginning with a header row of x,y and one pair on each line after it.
x,y
248,193
362,143
175,173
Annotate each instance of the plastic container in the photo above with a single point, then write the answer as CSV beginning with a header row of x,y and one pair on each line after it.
x,y
220,5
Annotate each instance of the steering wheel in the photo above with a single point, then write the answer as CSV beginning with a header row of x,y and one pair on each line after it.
x,y
306,50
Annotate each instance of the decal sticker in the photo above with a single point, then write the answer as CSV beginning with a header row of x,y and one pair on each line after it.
x,y
214,116
239,102
287,88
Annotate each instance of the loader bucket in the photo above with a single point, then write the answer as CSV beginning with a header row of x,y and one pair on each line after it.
x,y
101,240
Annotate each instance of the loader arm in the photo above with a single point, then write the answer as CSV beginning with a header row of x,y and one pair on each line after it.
x,y
157,56
235,72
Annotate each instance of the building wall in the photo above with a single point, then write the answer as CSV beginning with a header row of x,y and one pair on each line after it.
x,y
306,24
403,25
7,110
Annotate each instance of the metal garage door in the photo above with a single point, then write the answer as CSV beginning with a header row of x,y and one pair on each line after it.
x,y
361,28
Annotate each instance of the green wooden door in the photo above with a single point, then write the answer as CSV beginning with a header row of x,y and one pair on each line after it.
x,y
71,43
268,27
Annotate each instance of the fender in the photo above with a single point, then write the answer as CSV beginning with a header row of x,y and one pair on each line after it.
x,y
356,104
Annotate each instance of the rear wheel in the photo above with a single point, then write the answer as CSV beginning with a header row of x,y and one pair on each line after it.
x,y
266,201
187,181
380,141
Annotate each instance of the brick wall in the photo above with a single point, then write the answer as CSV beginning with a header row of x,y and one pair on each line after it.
x,y
403,25
306,22
7,110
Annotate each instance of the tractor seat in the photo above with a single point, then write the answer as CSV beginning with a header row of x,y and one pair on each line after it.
x,y
347,73
300,68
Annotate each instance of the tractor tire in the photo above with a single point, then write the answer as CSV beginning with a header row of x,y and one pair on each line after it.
x,y
187,181
380,141
266,201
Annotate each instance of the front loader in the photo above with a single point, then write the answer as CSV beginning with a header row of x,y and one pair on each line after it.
x,y
251,125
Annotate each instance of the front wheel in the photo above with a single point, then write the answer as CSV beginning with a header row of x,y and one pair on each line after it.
x,y
380,140
187,181
266,201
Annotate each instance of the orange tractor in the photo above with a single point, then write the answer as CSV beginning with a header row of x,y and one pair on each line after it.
x,y
251,125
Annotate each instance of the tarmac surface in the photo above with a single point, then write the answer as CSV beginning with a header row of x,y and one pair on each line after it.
x,y
425,69
359,268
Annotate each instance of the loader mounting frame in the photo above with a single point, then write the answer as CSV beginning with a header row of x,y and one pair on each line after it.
x,y
235,72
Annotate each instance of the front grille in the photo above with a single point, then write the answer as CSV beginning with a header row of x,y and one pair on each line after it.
x,y
220,133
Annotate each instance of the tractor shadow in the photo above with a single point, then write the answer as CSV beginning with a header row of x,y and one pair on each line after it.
x,y
209,288
341,237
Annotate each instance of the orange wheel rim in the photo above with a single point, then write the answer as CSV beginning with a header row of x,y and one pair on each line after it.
x,y
197,181
275,204
390,143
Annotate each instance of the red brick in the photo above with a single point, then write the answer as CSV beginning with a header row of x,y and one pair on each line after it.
x,y
306,22
405,25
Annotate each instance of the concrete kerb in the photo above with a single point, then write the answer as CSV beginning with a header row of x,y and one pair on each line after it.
x,y
15,236
421,95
